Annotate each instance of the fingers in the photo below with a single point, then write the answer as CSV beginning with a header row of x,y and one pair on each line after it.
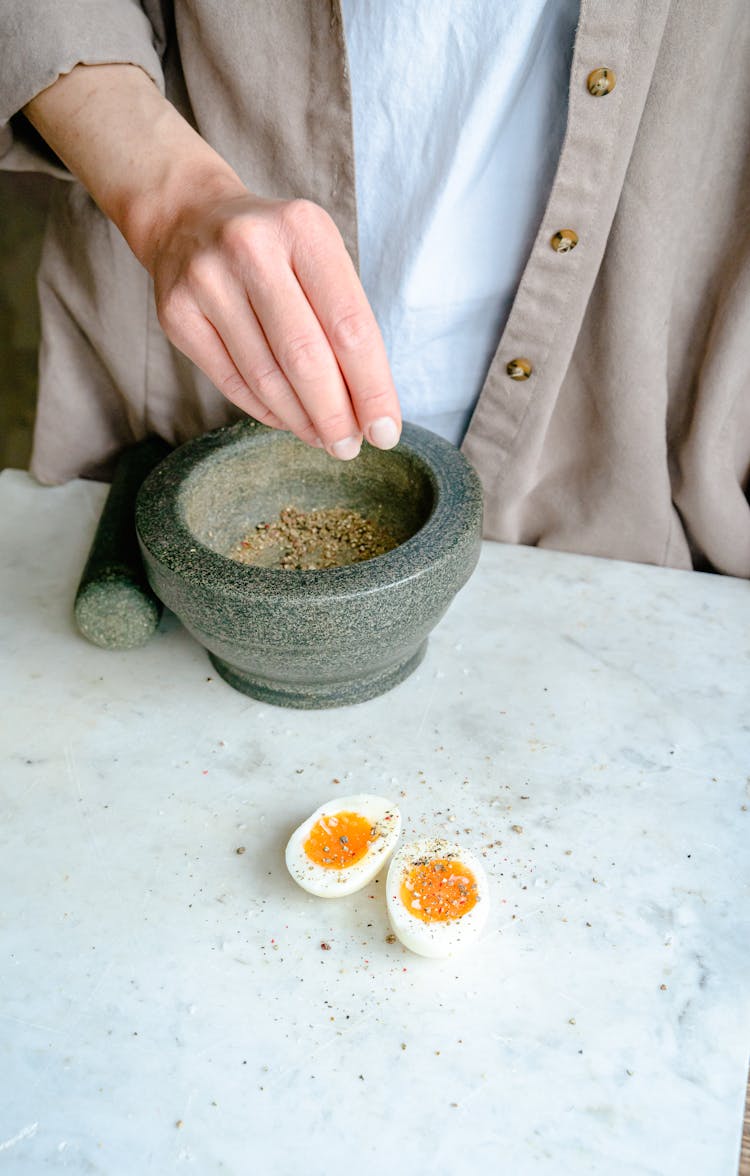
x,y
201,342
293,373
329,280
306,359
236,324
269,305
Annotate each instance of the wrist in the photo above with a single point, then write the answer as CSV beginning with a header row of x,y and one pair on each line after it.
x,y
143,164
168,193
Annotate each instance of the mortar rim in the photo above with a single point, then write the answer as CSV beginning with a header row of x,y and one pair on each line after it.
x,y
457,503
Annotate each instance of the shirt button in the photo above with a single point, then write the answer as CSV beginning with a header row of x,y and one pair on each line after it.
x,y
564,240
600,82
519,369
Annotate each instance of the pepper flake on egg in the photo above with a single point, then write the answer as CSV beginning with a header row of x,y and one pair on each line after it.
x,y
438,897
343,844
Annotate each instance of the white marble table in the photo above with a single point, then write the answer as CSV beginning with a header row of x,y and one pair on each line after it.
x,y
165,1002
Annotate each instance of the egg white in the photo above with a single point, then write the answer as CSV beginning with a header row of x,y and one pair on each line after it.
x,y
439,939
333,883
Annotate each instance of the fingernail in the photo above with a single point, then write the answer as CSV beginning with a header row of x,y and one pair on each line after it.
x,y
347,449
384,433
318,443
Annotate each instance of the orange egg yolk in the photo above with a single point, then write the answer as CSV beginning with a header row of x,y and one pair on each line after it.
x,y
340,840
439,890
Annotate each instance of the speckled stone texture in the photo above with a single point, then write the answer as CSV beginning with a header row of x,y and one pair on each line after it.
x,y
309,638
114,606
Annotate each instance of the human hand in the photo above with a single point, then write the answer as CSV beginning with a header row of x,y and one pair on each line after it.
x,y
260,294
263,296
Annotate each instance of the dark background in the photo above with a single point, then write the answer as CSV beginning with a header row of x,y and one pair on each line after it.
x,y
23,204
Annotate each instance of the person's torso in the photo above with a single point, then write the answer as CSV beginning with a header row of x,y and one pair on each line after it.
x,y
459,111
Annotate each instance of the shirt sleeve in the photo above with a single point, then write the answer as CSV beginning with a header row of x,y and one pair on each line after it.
x,y
45,39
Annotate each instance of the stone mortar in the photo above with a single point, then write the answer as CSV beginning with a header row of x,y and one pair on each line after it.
x,y
309,638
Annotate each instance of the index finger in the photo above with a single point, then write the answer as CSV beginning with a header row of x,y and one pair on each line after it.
x,y
329,280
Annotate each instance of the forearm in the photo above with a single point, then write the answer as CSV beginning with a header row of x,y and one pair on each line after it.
x,y
130,148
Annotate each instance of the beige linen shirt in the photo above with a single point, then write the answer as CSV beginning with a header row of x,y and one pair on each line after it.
x,y
628,431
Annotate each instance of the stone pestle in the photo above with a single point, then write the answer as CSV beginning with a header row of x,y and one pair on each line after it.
x,y
114,606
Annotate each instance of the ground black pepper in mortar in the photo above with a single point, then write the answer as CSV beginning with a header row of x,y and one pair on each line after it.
x,y
305,540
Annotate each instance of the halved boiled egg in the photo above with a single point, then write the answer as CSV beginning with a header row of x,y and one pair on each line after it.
x,y
341,847
437,895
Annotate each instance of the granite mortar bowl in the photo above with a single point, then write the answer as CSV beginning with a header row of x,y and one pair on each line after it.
x,y
309,638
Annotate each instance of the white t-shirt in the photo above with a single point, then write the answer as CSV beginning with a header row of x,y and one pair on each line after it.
x,y
459,113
